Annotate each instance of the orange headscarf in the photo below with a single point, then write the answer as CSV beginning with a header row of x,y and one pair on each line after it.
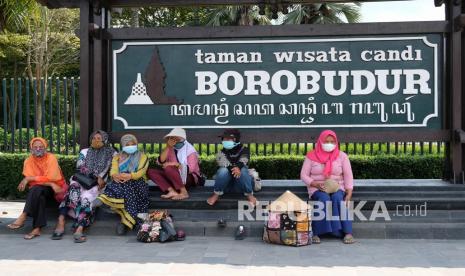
x,y
43,169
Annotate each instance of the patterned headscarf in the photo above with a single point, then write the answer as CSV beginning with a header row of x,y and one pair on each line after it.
x,y
130,162
96,160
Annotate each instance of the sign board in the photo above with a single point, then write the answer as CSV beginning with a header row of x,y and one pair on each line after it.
x,y
278,83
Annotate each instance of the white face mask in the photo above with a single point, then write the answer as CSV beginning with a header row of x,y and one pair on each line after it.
x,y
328,147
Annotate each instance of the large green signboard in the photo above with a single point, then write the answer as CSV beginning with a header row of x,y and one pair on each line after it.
x,y
344,82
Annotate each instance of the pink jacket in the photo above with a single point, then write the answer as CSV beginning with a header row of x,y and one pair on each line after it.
x,y
341,172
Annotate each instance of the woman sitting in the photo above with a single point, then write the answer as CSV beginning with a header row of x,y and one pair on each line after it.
x,y
327,163
180,166
128,193
43,177
94,162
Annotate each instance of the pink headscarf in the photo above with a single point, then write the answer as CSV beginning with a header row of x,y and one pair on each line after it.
x,y
323,157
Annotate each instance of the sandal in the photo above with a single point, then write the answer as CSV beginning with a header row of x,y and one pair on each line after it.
x,y
14,226
31,236
316,240
348,239
79,238
57,235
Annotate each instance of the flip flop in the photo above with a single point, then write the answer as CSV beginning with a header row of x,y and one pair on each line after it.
x,y
14,226
316,240
79,238
222,223
31,236
57,235
348,240
240,233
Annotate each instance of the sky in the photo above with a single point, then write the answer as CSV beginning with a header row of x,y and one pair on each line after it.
x,y
415,10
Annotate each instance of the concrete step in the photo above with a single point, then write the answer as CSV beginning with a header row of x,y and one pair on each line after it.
x,y
405,199
367,185
437,194
434,224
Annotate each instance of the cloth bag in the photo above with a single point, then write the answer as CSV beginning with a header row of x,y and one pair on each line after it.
x,y
157,227
288,221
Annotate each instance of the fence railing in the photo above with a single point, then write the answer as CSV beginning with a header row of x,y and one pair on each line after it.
x,y
50,108
46,108
394,148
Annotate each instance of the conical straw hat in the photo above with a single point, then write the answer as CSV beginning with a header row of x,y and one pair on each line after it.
x,y
288,202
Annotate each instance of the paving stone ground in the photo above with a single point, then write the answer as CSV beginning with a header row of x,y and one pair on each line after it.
x,y
111,255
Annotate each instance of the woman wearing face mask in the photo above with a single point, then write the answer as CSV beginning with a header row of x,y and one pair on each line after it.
x,y
93,162
128,193
43,177
232,174
180,166
325,162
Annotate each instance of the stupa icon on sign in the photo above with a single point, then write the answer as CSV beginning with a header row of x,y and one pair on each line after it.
x,y
139,93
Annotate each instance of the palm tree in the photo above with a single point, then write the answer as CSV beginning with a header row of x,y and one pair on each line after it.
x,y
14,13
323,14
237,16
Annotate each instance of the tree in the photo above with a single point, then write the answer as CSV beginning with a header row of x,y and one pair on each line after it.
x,y
13,51
53,46
323,14
160,17
237,16
14,13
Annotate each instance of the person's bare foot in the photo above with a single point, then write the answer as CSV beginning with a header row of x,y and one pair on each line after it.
x,y
213,199
252,200
34,233
169,195
181,196
18,223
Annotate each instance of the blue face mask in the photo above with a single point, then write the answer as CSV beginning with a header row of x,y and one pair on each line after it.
x,y
179,145
130,149
229,144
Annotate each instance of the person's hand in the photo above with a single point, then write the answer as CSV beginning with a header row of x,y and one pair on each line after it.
x,y
171,142
348,198
320,185
117,178
125,177
101,183
236,172
56,189
22,185
171,164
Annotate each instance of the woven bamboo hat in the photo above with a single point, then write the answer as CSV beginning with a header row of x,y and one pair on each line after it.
x,y
176,132
331,186
288,202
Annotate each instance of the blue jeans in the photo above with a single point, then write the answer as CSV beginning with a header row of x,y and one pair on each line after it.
x,y
225,182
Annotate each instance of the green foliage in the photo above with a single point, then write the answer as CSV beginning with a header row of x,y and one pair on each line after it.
x,y
13,51
14,13
323,14
63,137
160,17
269,167
237,16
